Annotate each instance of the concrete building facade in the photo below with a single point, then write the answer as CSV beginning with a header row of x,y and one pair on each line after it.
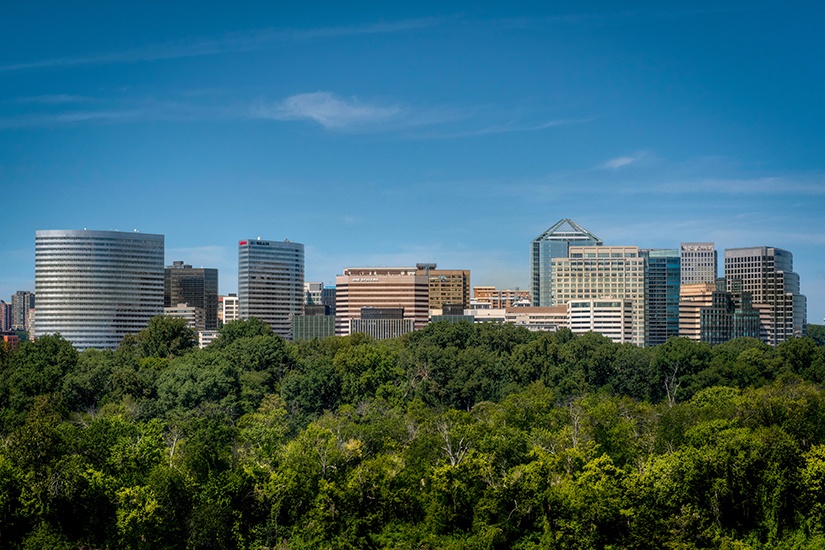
x,y
698,263
446,286
602,273
495,298
612,318
380,287
22,302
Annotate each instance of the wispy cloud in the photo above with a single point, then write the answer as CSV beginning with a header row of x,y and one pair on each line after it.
x,y
798,184
328,110
618,162
621,162
248,41
54,99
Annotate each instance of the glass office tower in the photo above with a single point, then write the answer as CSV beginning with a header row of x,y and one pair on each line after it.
x,y
271,282
554,243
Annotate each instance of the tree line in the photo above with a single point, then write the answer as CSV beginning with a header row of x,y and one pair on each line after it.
x,y
456,436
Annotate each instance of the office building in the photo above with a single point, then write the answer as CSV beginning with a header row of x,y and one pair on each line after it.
x,y
328,298
446,286
494,298
195,317
271,282
95,287
767,274
227,308
206,337
604,273
317,322
537,319
21,302
692,299
382,323
313,293
662,281
198,287
612,318
5,316
381,287
554,243
698,263
710,313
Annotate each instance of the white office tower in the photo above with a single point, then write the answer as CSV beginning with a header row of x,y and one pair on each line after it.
x,y
95,287
271,282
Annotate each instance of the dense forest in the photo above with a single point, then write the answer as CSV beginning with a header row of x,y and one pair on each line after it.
x,y
456,436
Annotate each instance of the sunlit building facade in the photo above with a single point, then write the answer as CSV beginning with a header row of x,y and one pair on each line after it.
x,y
95,287
604,273
554,243
767,274
271,282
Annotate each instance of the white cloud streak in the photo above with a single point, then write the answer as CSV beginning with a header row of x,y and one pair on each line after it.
x,y
231,43
328,110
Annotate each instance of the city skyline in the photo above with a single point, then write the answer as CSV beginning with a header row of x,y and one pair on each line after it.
x,y
394,135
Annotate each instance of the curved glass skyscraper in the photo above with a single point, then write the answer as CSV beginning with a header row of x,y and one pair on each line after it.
x,y
97,286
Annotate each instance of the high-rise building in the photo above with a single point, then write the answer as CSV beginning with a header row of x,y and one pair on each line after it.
x,y
328,298
95,287
662,281
447,286
5,316
554,243
698,263
767,274
271,282
692,299
380,287
198,287
21,302
604,273
710,313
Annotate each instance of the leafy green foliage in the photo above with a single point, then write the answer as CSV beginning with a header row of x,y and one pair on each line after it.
x,y
456,436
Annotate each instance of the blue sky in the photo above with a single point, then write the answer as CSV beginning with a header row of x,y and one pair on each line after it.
x,y
442,132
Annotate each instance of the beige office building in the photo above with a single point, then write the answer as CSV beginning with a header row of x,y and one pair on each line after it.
x,y
380,287
604,272
500,298
446,286
692,299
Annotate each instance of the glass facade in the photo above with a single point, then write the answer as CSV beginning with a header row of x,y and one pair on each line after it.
x,y
553,243
662,284
197,287
95,287
271,282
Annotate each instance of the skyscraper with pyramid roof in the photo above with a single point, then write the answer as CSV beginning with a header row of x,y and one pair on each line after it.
x,y
554,243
